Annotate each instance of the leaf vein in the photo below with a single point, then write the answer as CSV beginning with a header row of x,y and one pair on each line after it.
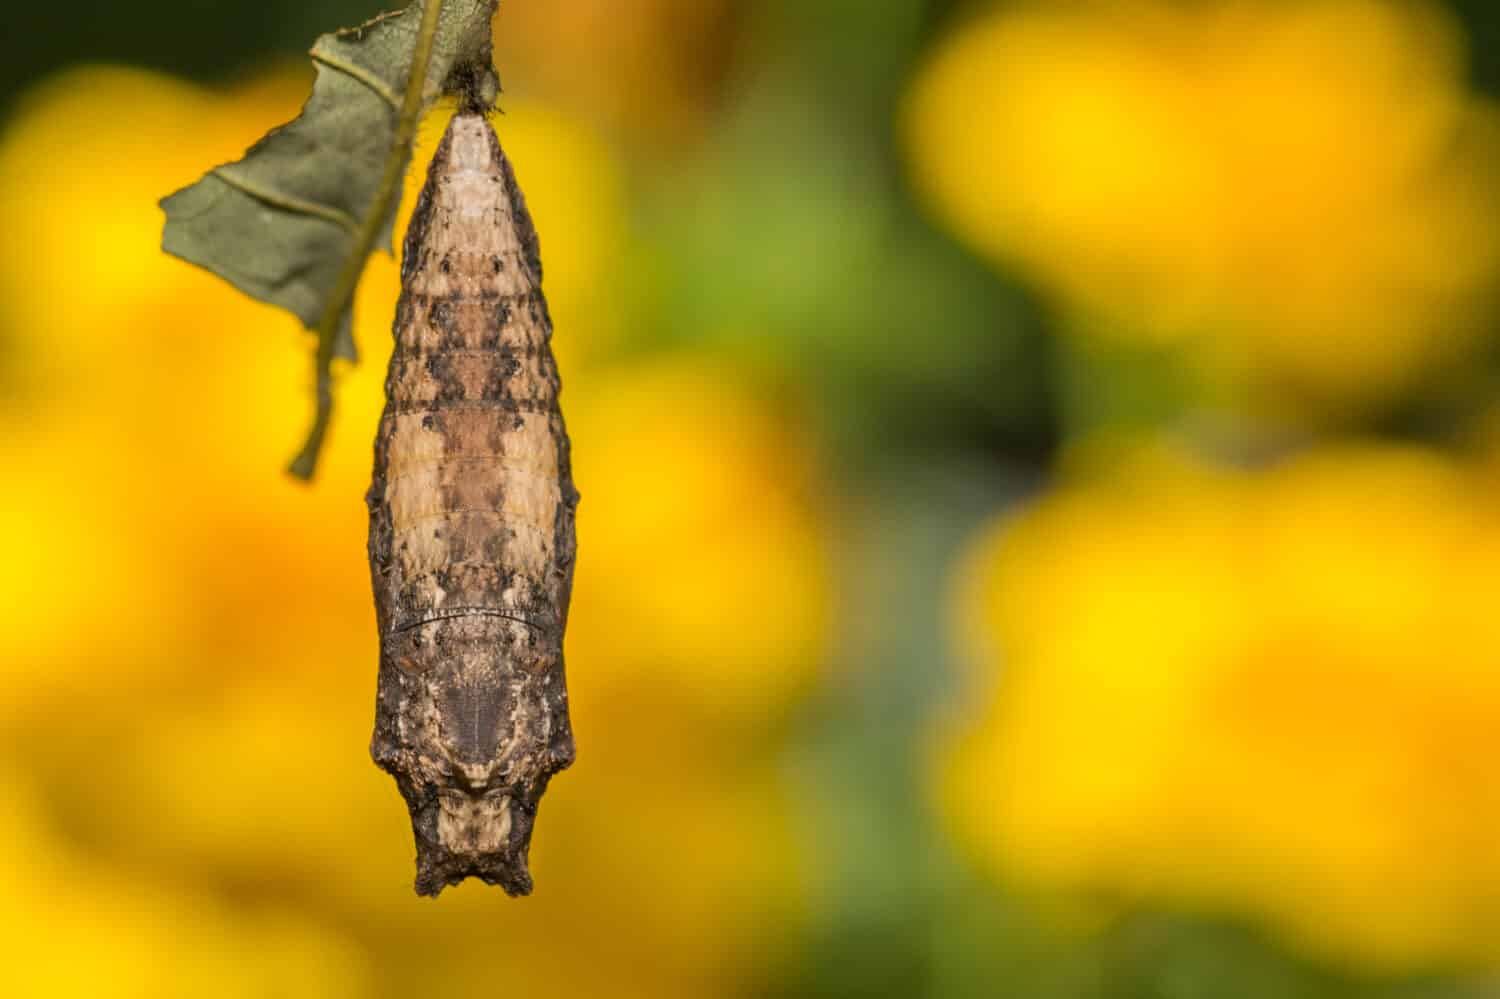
x,y
358,72
290,202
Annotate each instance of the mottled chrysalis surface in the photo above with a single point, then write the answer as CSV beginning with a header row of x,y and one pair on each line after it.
x,y
471,526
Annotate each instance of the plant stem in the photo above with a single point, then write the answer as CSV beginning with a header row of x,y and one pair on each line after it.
x,y
341,301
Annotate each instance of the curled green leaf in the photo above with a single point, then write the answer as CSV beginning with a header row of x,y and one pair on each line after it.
x,y
293,222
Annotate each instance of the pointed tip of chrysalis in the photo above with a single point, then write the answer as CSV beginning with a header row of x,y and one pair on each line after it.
x,y
461,836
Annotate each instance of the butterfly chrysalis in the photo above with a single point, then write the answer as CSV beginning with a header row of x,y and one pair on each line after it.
x,y
471,526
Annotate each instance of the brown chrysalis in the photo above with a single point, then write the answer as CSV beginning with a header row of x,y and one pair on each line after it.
x,y
471,526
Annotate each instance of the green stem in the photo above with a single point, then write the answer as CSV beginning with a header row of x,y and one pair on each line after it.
x,y
341,301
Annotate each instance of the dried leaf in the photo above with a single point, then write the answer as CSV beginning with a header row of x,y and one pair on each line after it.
x,y
285,223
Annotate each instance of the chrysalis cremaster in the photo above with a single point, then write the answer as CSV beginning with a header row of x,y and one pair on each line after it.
x,y
471,526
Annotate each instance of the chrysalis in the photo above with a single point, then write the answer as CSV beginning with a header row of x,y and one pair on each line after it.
x,y
471,526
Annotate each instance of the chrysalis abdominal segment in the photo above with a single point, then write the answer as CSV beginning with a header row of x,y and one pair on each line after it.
x,y
471,526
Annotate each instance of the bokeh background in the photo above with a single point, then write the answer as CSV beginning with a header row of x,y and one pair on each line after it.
x,y
1065,438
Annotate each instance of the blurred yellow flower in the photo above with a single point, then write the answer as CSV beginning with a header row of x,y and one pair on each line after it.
x,y
1271,694
706,567
652,68
77,928
180,610
1299,193
122,360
